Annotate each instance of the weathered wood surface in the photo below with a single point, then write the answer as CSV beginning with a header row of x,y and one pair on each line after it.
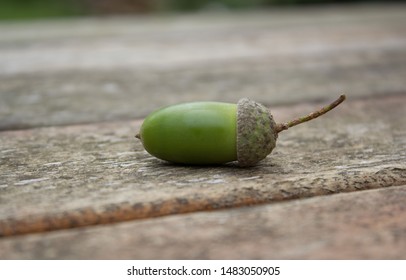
x,y
89,71
72,176
65,72
362,225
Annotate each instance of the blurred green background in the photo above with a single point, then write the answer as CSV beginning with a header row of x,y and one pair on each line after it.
x,y
32,9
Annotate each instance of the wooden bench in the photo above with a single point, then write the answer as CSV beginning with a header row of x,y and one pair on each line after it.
x,y
76,184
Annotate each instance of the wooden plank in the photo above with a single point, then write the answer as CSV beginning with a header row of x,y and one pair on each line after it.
x,y
81,71
63,177
360,225
91,70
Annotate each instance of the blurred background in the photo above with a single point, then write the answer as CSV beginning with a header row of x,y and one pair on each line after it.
x,y
30,9
81,61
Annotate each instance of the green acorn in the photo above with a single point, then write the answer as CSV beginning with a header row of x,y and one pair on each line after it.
x,y
204,133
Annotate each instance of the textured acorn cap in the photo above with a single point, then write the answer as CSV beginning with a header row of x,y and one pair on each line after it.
x,y
256,132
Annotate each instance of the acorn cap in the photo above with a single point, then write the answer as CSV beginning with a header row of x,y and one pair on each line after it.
x,y
256,132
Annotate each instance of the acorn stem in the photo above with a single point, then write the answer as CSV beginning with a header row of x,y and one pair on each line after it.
x,y
283,126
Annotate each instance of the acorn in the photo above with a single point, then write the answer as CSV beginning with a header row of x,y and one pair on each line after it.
x,y
208,133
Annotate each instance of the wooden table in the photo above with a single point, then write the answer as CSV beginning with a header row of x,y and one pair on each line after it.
x,y
76,184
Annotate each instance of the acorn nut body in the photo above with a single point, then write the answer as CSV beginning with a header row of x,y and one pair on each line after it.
x,y
204,133
210,133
